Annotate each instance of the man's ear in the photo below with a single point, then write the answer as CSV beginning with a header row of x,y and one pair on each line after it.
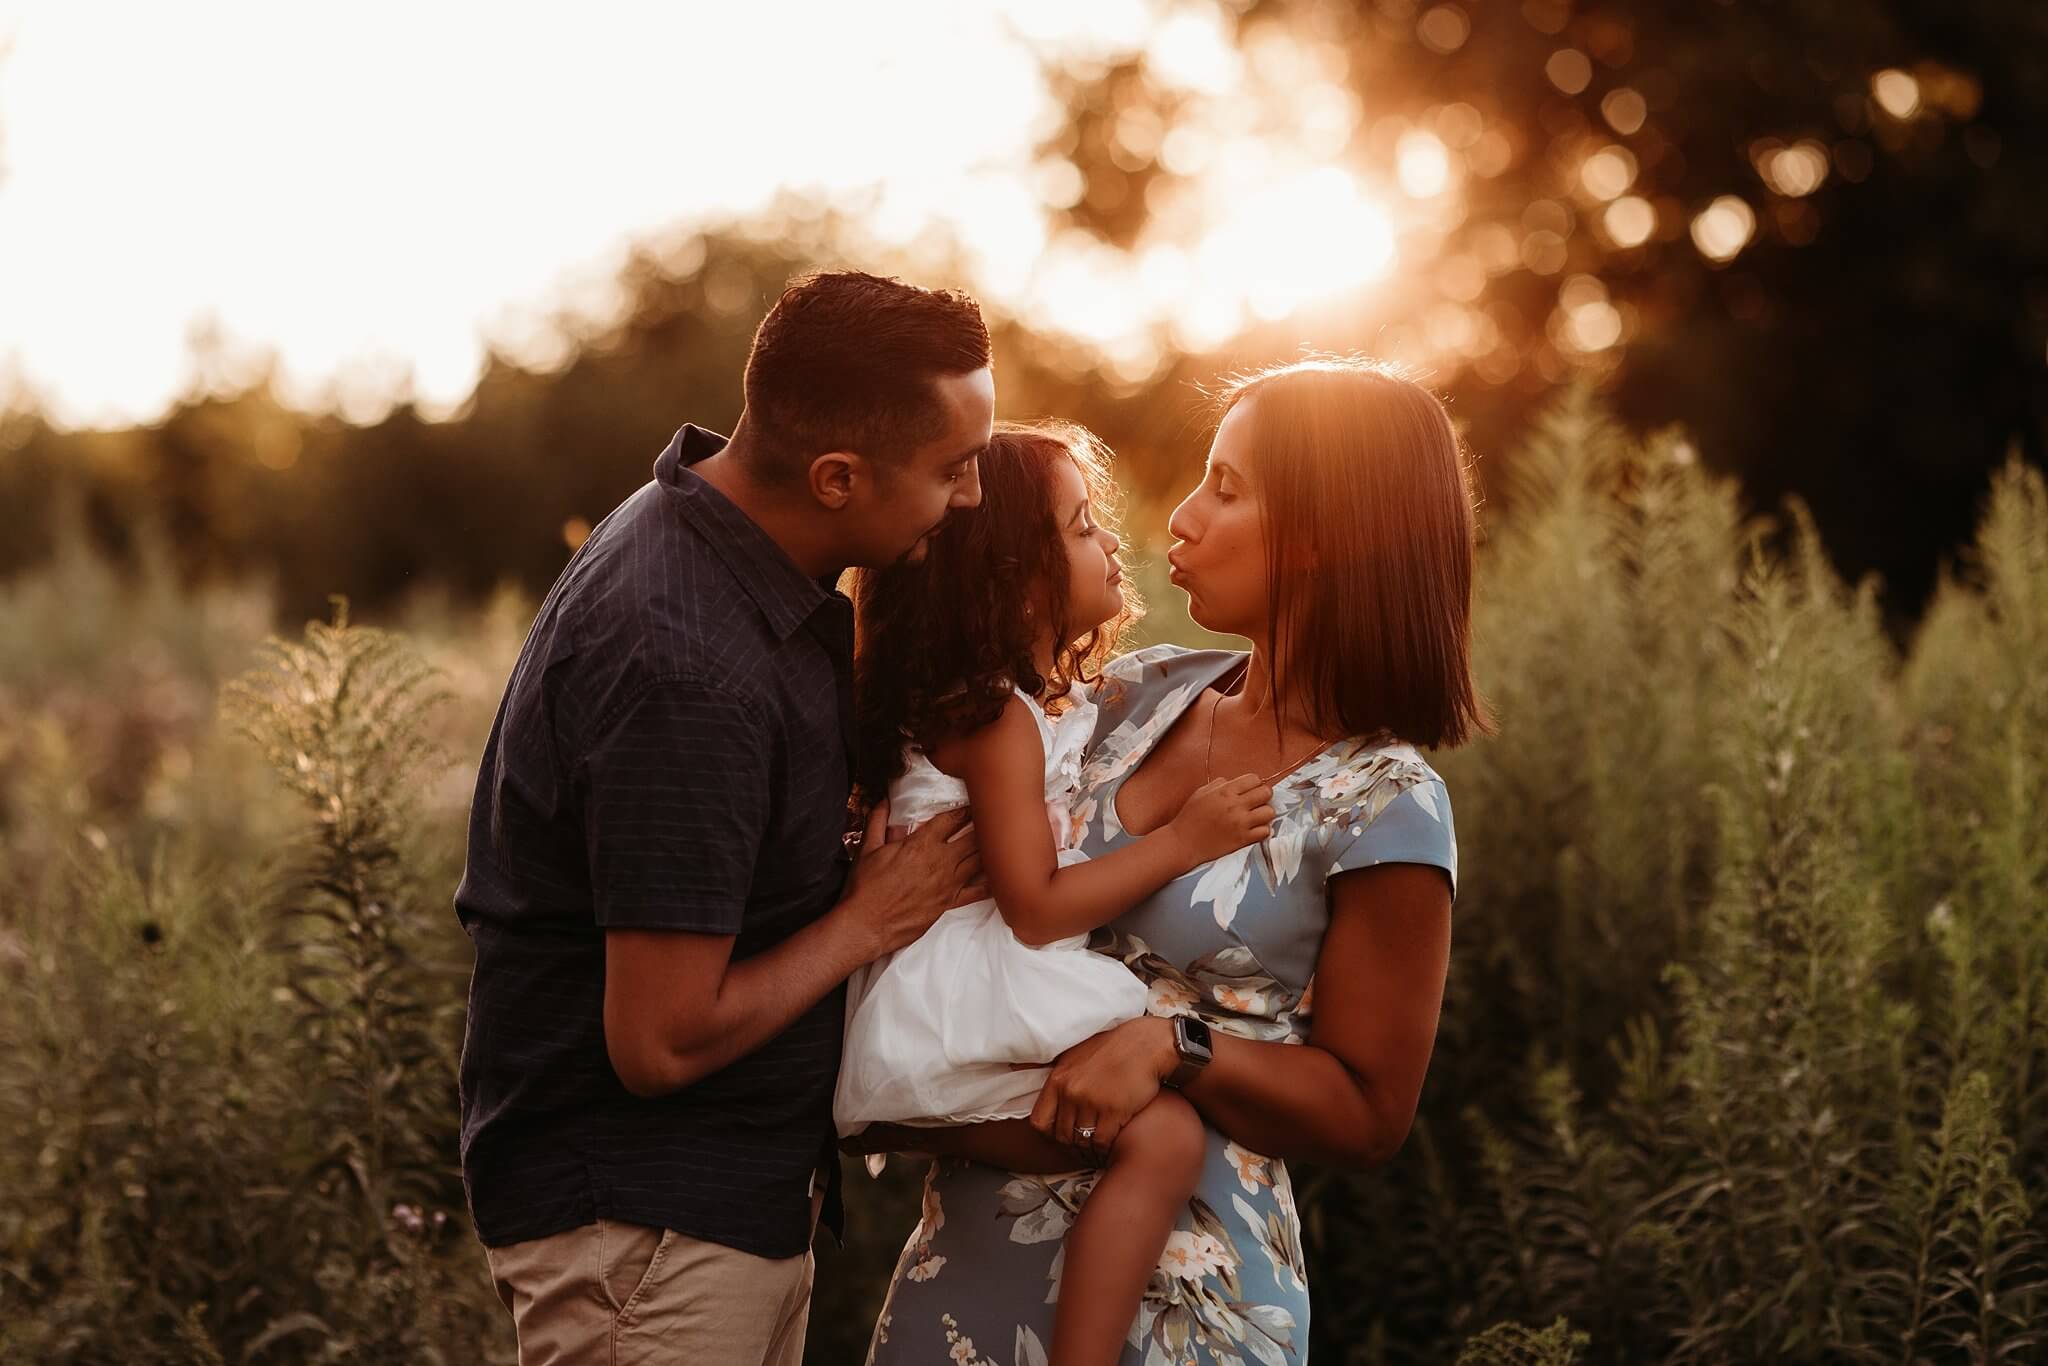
x,y
833,476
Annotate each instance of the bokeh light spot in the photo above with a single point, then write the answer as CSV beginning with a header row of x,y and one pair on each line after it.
x,y
1724,228
1569,69
1624,110
1629,221
1444,29
1897,93
1191,50
1459,124
1423,164
1608,173
1793,171
1060,184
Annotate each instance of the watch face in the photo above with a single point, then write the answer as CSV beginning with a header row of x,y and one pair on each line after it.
x,y
1196,1032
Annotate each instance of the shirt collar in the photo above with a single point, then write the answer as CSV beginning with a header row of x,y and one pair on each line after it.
x,y
785,595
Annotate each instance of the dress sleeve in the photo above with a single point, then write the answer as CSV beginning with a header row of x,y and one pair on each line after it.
x,y
1412,826
675,792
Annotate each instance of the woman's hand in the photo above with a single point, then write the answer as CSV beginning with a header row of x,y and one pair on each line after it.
x,y
1101,1082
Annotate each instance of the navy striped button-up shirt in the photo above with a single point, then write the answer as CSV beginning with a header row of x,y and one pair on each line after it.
x,y
670,754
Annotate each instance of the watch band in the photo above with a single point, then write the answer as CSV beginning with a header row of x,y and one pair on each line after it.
x,y
1191,1042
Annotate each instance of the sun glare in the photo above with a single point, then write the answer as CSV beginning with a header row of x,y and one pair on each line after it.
x,y
520,216
1302,240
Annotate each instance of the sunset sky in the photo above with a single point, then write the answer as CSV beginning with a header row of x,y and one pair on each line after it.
x,y
376,193
382,185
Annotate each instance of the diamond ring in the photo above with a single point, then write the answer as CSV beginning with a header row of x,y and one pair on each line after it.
x,y
1085,1132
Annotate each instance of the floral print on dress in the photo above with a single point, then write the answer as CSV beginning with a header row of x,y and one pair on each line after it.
x,y
1228,988
1233,942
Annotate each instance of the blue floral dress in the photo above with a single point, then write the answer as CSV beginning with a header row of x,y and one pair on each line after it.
x,y
1235,942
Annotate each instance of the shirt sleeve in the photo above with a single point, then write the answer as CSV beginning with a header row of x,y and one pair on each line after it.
x,y
1413,827
675,802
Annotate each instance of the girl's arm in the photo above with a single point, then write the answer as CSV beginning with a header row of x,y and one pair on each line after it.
x,y
1003,765
1348,1098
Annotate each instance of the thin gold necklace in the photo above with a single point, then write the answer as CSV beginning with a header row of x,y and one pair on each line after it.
x,y
1209,758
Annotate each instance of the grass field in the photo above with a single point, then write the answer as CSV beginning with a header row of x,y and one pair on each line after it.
x,y
1745,1056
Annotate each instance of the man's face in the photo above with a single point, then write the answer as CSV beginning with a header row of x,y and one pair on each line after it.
x,y
905,504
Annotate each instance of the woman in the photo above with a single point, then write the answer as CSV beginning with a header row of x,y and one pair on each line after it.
x,y
1333,527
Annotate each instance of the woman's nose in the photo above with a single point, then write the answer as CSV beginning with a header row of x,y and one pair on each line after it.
x,y
1181,525
1115,541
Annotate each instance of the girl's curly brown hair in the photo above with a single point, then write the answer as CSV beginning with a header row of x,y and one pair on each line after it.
x,y
940,643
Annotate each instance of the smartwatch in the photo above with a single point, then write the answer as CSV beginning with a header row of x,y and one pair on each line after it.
x,y
1193,1044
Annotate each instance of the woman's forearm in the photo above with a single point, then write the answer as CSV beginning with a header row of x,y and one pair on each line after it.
x,y
1294,1101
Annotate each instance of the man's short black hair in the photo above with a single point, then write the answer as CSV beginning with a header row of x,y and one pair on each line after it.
x,y
845,361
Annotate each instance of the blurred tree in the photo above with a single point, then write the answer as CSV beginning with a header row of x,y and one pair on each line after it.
x,y
1806,228
240,484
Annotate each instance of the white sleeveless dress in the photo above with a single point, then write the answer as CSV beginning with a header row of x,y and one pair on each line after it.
x,y
933,1030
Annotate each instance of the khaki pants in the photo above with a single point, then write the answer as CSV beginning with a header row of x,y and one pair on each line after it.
x,y
613,1294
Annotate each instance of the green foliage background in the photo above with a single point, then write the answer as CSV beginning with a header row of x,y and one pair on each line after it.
x,y
1745,1055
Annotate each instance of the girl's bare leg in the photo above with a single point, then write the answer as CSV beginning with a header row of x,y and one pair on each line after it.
x,y
1114,1245
1116,1240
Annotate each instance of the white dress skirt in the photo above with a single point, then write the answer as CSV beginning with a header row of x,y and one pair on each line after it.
x,y
957,1027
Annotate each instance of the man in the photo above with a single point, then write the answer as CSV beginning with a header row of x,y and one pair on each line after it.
x,y
657,886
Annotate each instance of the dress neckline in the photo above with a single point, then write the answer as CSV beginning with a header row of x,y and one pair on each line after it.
x,y
1116,787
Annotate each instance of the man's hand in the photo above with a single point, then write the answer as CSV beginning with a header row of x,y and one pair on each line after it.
x,y
897,889
677,1007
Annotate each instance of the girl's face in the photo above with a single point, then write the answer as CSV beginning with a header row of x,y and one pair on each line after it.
x,y
1094,578
1219,548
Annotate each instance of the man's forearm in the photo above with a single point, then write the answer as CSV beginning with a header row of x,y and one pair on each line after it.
x,y
761,996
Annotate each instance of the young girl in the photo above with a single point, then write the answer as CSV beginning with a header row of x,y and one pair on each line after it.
x,y
966,666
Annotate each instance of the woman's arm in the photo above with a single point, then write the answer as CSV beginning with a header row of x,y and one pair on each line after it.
x,y
1348,1097
1003,765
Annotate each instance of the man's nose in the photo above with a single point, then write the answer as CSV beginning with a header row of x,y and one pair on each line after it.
x,y
968,495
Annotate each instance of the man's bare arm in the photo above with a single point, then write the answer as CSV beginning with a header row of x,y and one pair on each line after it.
x,y
677,1008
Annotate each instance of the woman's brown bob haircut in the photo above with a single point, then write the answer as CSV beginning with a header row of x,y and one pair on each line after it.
x,y
1367,509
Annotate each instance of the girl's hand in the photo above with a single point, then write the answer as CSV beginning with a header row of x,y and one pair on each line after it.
x,y
1101,1082
1222,815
